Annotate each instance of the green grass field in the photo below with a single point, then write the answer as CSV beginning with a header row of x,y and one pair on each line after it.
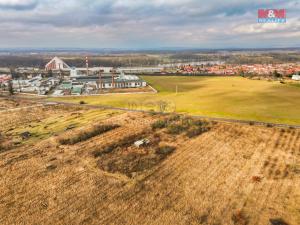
x,y
227,97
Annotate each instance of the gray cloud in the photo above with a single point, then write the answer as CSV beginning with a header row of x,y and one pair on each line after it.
x,y
143,23
18,5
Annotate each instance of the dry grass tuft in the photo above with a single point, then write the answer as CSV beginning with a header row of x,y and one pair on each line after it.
x,y
256,179
239,218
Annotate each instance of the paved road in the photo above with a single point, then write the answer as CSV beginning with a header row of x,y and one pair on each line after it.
x,y
46,102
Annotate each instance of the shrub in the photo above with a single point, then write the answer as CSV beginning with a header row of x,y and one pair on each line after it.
x,y
156,139
175,129
239,218
187,121
105,150
295,168
203,219
200,123
159,124
165,150
127,141
195,131
152,112
82,102
173,118
85,135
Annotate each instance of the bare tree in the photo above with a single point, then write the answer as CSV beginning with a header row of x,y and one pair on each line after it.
x,y
10,87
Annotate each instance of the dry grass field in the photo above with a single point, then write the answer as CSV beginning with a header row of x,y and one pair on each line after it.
x,y
80,167
6,103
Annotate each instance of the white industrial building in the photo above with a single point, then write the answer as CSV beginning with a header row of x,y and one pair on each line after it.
x,y
35,85
108,81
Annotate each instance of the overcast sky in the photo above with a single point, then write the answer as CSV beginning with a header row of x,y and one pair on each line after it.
x,y
145,24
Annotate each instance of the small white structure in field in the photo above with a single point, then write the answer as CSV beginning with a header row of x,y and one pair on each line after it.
x,y
142,142
296,77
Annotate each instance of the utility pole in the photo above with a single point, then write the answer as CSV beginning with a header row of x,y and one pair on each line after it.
x,y
87,65
113,79
100,81
19,84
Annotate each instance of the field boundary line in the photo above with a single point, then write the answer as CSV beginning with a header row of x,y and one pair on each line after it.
x,y
194,116
20,108
252,122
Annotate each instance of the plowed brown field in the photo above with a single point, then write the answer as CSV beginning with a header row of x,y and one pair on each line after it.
x,y
232,174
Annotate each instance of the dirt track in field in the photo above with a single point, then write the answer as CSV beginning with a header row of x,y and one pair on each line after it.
x,y
209,179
